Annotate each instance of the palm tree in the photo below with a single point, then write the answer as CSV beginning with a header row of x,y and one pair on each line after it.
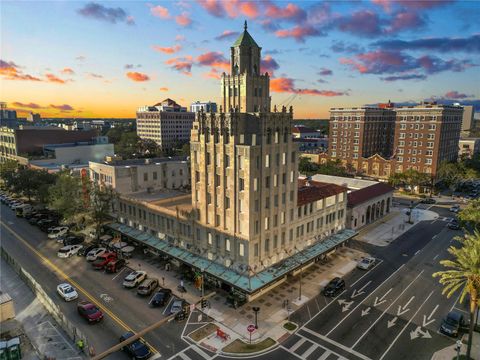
x,y
463,275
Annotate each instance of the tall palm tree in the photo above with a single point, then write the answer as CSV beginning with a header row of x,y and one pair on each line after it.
x,y
463,275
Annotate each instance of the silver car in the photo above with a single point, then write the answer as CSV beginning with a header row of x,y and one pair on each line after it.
x,y
177,306
366,263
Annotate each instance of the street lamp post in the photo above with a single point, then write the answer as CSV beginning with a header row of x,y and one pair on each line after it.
x,y
203,280
256,309
410,212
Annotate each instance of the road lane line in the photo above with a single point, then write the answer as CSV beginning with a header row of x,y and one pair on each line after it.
x,y
327,305
368,272
379,286
60,272
408,323
436,256
389,306
333,342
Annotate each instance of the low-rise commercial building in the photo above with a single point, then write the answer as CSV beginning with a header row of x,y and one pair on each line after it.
x,y
206,106
468,147
304,132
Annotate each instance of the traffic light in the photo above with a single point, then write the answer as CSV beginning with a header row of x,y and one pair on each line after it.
x,y
203,303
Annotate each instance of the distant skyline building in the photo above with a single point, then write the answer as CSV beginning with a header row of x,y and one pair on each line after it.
x,y
33,117
6,114
167,123
207,106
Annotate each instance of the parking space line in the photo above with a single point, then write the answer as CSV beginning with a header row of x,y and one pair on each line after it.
x,y
455,303
119,273
368,272
389,306
408,323
166,307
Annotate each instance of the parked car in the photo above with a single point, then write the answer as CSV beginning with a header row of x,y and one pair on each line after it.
x,y
68,251
428,200
57,231
137,349
452,324
36,218
334,287
67,292
134,279
115,265
86,249
103,260
89,311
454,225
455,208
147,286
95,253
15,204
161,297
73,240
366,263
177,306
23,210
47,223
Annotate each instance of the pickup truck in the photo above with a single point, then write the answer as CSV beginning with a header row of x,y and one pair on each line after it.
x,y
103,260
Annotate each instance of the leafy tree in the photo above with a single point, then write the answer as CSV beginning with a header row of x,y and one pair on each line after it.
x,y
8,172
148,148
305,166
334,168
463,275
127,146
471,214
100,205
66,196
396,179
185,150
449,174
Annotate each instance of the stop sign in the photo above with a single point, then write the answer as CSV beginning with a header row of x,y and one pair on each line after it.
x,y
251,328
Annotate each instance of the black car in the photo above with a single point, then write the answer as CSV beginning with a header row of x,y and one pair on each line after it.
x,y
452,324
47,223
36,218
86,249
454,225
334,287
136,349
428,201
161,297
73,240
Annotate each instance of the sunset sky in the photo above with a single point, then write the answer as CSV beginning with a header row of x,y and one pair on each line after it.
x,y
105,59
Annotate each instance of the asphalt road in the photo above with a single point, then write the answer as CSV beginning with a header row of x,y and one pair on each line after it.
x,y
124,309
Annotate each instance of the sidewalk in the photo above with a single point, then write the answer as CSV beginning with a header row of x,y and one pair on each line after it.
x,y
383,231
34,321
450,353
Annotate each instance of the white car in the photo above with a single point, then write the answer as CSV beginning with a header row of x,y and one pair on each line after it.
x,y
134,279
67,292
366,263
15,204
94,253
58,231
455,208
68,251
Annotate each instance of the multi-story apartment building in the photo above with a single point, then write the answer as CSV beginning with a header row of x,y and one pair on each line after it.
x,y
207,106
357,133
137,175
167,123
426,135
248,221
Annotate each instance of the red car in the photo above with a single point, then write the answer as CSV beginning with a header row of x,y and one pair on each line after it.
x,y
89,311
103,260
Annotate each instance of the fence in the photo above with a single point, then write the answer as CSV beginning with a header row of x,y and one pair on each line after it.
x,y
73,332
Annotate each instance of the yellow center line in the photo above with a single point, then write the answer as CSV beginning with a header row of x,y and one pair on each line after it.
x,y
73,282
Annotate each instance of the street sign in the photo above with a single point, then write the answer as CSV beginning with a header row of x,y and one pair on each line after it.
x,y
251,328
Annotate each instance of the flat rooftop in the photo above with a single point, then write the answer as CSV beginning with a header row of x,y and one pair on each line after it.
x,y
164,201
144,161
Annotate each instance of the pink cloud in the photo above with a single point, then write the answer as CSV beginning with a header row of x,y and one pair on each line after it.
x,y
268,64
405,20
230,8
456,95
167,50
363,22
27,106
299,33
214,59
417,4
181,64
248,8
64,107
227,34
289,12
183,20
67,71
287,85
213,7
11,71
213,74
137,76
160,11
55,79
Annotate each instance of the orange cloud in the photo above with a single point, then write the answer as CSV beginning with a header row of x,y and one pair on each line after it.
x,y
167,50
160,11
67,71
55,79
214,59
248,8
11,72
163,89
213,74
181,64
136,76
183,20
28,106
286,85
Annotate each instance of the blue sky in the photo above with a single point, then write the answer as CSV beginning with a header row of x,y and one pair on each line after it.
x,y
107,58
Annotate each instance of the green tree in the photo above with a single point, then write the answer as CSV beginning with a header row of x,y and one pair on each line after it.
x,y
471,214
66,196
185,150
148,148
100,205
31,182
305,166
396,179
128,145
450,174
463,275
334,168
8,172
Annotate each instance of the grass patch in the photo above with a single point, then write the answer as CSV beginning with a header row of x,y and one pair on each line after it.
x,y
203,332
238,346
290,326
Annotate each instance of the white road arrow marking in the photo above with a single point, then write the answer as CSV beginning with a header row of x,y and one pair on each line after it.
x,y
382,299
418,331
392,322
403,309
366,311
429,320
360,291
346,304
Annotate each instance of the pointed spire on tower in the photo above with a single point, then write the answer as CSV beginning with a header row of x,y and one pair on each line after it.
x,y
245,26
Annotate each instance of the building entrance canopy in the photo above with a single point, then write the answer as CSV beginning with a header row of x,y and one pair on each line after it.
x,y
248,281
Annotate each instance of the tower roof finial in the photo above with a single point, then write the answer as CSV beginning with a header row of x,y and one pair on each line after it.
x,y
245,25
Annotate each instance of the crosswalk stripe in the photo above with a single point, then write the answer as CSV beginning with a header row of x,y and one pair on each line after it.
x,y
310,350
298,344
200,352
325,355
184,356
